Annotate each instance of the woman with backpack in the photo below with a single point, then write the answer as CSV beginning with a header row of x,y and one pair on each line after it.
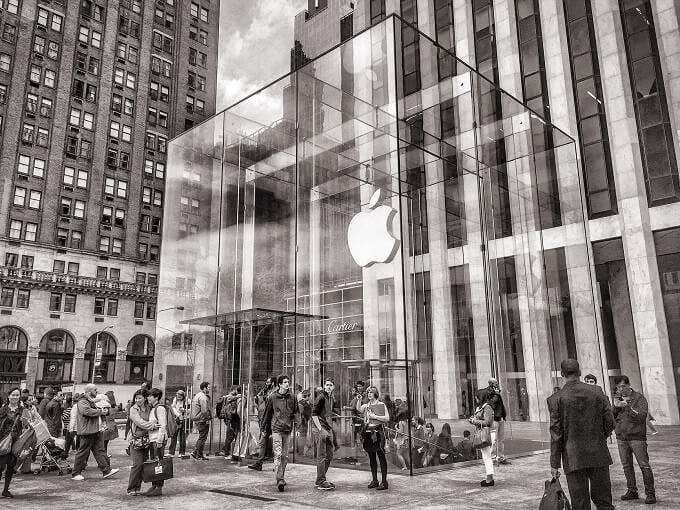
x,y
179,410
158,436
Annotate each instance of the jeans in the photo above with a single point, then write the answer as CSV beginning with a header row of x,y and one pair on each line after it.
x,y
593,480
324,454
638,448
262,447
138,456
203,428
91,443
281,444
182,435
229,436
499,441
7,464
373,458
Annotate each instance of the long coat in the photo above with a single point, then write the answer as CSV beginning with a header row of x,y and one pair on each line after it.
x,y
581,420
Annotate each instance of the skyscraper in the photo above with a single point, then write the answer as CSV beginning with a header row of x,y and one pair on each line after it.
x,y
90,93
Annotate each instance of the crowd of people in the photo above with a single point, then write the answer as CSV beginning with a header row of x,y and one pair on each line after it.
x,y
581,420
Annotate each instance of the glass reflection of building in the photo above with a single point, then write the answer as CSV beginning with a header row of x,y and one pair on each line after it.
x,y
493,274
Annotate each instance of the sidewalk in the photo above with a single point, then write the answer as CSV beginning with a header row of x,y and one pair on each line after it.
x,y
219,484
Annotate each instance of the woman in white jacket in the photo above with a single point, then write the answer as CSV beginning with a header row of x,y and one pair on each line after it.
x,y
157,436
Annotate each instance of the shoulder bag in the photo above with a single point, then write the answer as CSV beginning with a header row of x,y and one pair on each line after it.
x,y
482,436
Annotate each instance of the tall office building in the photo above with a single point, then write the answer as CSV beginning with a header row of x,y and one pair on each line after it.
x,y
90,93
607,73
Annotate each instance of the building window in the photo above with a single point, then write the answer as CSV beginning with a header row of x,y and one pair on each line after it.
x,y
23,298
35,199
99,304
377,8
27,262
139,310
19,196
70,303
55,302
104,243
651,107
5,62
112,307
139,360
346,27
30,231
443,18
410,47
15,228
114,274
103,372
7,297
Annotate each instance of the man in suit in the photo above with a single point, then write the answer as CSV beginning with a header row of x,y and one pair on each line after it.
x,y
581,419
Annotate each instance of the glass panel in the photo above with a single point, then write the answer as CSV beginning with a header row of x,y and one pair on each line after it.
x,y
352,230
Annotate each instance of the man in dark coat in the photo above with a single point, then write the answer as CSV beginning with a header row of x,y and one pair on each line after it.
x,y
53,415
581,419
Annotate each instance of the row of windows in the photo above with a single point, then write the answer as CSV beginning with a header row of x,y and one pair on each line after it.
x,y
198,34
12,260
23,297
51,20
11,6
37,135
197,12
91,10
198,58
23,230
42,105
25,197
128,27
9,33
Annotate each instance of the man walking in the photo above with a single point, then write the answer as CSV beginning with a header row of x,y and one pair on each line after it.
x,y
323,407
202,416
581,419
90,439
280,414
630,414
261,400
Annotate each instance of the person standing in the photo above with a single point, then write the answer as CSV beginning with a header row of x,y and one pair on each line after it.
x,y
141,426
179,410
72,437
10,425
230,416
358,398
484,418
52,416
375,416
90,438
321,413
111,431
46,399
499,415
581,420
630,415
202,416
158,435
281,413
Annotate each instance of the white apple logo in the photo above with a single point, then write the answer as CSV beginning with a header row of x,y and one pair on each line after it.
x,y
369,234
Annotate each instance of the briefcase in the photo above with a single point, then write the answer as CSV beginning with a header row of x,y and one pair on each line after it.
x,y
156,471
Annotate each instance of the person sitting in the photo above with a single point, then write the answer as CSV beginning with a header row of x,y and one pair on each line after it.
x,y
429,448
446,452
465,447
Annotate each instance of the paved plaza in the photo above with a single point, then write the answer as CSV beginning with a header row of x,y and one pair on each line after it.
x,y
219,484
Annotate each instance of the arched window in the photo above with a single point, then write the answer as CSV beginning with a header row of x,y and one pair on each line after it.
x,y
139,359
55,359
100,356
13,347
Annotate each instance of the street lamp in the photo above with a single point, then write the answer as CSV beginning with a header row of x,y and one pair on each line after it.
x,y
97,354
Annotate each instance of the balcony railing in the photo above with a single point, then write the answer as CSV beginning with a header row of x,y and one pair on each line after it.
x,y
82,284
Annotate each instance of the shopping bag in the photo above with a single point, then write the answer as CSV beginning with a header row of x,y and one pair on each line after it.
x,y
25,442
6,445
554,497
155,471
42,433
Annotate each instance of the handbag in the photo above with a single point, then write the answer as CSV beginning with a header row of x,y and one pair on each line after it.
x,y
554,497
6,445
482,437
25,442
157,470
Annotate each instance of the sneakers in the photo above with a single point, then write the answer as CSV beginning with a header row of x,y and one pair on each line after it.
x,y
7,494
630,495
373,484
649,500
195,456
255,467
133,492
77,478
110,473
280,485
382,487
504,461
484,483
325,486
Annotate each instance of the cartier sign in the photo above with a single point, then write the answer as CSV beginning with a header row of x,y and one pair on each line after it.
x,y
342,326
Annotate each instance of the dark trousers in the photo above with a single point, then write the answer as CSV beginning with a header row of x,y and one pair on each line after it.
x,y
639,449
7,463
138,457
203,429
324,455
91,443
590,483
230,435
69,442
180,434
373,457
262,447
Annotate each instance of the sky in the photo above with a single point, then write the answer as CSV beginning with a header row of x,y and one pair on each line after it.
x,y
255,41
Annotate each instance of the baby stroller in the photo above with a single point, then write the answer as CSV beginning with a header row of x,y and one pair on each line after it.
x,y
50,449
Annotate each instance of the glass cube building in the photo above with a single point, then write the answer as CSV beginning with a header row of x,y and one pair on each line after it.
x,y
363,219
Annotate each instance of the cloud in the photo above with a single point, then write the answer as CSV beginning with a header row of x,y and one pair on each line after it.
x,y
255,41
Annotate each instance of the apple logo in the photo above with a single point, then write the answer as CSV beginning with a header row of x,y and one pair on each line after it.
x,y
369,234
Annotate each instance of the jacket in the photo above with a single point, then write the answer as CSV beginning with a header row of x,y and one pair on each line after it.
x,y
158,416
10,422
631,421
581,419
140,419
88,416
280,413
496,403
53,417
200,408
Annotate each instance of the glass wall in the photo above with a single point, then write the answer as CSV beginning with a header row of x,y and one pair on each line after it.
x,y
343,231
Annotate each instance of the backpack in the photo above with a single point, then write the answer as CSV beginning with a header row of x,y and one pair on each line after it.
x,y
170,418
228,409
554,497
